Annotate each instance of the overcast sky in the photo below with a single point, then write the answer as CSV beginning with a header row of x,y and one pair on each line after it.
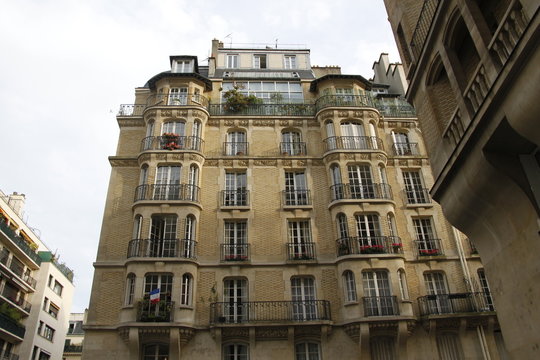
x,y
67,65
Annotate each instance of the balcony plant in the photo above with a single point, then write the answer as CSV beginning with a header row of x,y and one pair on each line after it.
x,y
235,101
170,141
429,252
302,256
236,257
10,312
372,249
397,247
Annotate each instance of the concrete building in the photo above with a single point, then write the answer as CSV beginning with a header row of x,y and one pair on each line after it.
x,y
35,289
262,208
75,337
474,81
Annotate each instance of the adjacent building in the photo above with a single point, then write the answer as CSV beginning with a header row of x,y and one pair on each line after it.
x,y
474,81
262,208
75,337
36,290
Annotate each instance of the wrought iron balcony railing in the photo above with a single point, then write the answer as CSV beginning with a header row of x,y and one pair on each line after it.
x,y
131,110
344,101
363,192
423,25
301,251
405,149
161,311
162,248
234,252
177,142
358,245
16,298
429,247
298,109
20,242
11,326
16,268
396,111
292,148
234,198
10,357
182,192
353,143
454,303
235,148
380,305
417,195
269,311
73,348
297,197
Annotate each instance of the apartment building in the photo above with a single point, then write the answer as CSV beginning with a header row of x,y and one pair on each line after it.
x,y
36,290
262,208
75,337
474,81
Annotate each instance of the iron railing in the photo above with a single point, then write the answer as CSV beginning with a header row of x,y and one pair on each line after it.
x,y
344,101
417,195
232,198
301,251
10,357
269,311
16,268
296,197
11,326
161,311
73,348
429,247
299,109
176,142
20,242
405,149
177,100
235,148
359,245
182,192
14,297
131,110
423,25
454,303
162,248
353,143
396,111
380,305
234,252
354,191
292,148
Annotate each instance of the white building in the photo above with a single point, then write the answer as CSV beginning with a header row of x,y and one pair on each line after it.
x,y
75,336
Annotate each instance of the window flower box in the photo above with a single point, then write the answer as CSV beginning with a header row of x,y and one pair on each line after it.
x,y
429,252
372,249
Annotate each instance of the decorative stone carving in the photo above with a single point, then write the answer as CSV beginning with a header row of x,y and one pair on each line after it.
x,y
124,335
353,330
307,331
327,114
198,113
166,112
244,122
228,163
283,122
233,332
244,163
383,326
301,163
265,162
349,156
365,156
358,114
417,162
229,122
317,163
343,113
177,157
392,124
211,163
332,157
263,122
161,156
271,333
403,163
298,122
448,323
195,157
150,114
213,122
390,162
312,123
130,122
186,335
411,324
144,158
286,163
182,113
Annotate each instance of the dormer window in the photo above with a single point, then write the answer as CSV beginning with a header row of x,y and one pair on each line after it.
x,y
290,61
259,61
232,61
183,66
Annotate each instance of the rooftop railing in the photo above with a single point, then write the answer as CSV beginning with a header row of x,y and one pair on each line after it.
x,y
396,111
344,101
293,109
20,242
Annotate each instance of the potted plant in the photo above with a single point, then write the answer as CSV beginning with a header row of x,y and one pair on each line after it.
x,y
235,101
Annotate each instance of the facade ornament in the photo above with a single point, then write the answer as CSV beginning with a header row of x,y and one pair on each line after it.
x,y
298,122
301,163
166,112
229,122
244,163
263,123
131,123
343,113
161,156
235,332
213,122
271,333
349,156
286,163
283,122
265,162
244,122
317,162
177,157
365,156
182,113
228,163
211,163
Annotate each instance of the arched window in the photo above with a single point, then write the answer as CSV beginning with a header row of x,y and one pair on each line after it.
x,y
337,185
187,288
235,352
167,185
378,299
193,182
353,136
397,246
307,351
149,139
188,248
236,143
291,143
156,352
130,289
441,96
330,136
369,234
382,174
342,226
360,182
401,144
163,240
150,128
462,45
404,291
383,347
349,285
173,127
143,177
196,140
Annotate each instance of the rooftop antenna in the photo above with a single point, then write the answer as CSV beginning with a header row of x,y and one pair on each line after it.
x,y
276,43
230,39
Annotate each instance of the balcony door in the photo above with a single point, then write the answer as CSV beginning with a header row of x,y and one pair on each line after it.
x,y
369,231
162,236
353,136
401,144
303,297
330,136
235,298
414,187
300,246
178,96
425,235
236,143
235,240
235,189
437,299
291,143
377,293
360,182
163,282
167,185
295,188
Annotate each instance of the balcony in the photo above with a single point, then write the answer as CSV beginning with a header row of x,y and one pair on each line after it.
x,y
10,357
234,198
73,349
11,326
20,242
164,192
18,270
356,245
269,311
353,143
161,311
380,305
296,198
361,192
131,110
344,101
454,303
292,148
417,195
16,298
396,111
234,252
175,142
428,247
405,149
162,248
163,100
297,251
423,25
235,148
299,109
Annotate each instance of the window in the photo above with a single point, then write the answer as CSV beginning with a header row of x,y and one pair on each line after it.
x,y
414,188
303,298
235,352
45,304
337,186
235,246
425,237
378,299
383,348
235,297
162,282
342,226
235,189
167,185
307,351
187,284
50,282
236,143
300,244
404,291
156,352
177,96
48,333
330,140
53,310
486,292
437,300
130,289
193,181
58,288
349,284
296,192
352,136
449,347
143,177
401,144
231,61
290,61
291,143
137,227
259,61
369,233
271,92
44,356
183,66
360,182
162,236
188,250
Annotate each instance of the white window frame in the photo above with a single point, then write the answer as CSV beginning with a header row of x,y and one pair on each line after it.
x,y
289,62
349,284
303,298
258,63
231,61
183,66
130,289
235,351
235,297
308,350
186,289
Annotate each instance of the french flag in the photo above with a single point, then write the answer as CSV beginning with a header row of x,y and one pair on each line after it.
x,y
154,296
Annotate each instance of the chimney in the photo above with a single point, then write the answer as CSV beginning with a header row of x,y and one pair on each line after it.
x,y
16,202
